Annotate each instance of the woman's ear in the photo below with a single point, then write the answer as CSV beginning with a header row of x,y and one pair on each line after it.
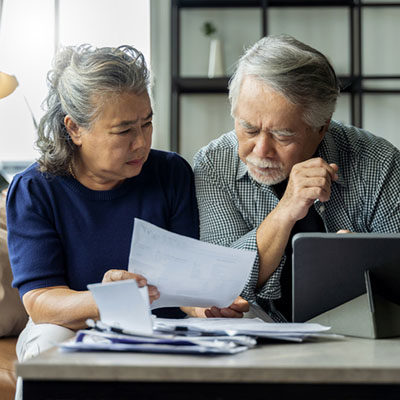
x,y
73,130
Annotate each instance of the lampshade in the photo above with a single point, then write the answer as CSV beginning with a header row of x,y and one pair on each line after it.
x,y
8,84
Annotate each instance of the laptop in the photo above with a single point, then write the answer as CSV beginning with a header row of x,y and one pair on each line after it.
x,y
328,269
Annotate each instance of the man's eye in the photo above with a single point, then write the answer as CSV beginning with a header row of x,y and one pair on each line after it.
x,y
251,132
147,124
124,132
283,139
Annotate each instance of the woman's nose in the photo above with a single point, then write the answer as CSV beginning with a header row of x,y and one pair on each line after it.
x,y
138,139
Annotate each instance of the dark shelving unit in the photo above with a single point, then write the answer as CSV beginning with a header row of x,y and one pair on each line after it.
x,y
353,84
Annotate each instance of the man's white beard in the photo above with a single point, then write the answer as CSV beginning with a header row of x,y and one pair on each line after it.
x,y
271,176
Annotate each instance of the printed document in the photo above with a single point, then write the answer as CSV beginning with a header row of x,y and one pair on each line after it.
x,y
186,271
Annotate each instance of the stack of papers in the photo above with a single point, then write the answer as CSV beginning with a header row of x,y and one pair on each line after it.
x,y
191,335
187,272
253,327
92,340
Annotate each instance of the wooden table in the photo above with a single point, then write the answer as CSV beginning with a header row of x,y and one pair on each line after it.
x,y
349,368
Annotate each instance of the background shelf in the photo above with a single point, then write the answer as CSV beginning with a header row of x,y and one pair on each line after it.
x,y
323,21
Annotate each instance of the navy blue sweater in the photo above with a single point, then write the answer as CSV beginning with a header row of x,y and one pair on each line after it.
x,y
62,233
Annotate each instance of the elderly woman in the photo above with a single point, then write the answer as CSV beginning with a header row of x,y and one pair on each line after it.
x,y
70,215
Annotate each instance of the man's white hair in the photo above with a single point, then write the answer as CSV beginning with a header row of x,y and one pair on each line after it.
x,y
297,71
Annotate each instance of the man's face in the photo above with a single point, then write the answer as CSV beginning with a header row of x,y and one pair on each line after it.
x,y
271,133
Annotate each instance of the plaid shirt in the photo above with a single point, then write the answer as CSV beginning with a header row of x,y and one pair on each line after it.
x,y
232,205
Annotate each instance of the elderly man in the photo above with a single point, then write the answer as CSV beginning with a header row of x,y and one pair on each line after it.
x,y
288,168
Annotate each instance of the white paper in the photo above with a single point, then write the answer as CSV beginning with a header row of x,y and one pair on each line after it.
x,y
186,271
122,304
253,326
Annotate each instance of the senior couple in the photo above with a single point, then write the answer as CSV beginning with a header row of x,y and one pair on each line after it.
x,y
70,215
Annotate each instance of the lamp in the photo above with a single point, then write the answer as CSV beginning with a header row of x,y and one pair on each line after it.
x,y
8,84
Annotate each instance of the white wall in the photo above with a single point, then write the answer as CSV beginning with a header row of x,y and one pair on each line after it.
x,y
161,71
27,46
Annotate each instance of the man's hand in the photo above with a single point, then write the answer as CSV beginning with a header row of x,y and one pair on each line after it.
x,y
113,275
308,181
235,310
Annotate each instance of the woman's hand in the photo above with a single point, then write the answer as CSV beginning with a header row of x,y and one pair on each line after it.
x,y
113,275
235,310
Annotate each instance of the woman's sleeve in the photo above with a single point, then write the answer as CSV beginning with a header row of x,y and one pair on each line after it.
x,y
35,250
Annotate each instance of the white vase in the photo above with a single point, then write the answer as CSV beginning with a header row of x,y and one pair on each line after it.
x,y
216,64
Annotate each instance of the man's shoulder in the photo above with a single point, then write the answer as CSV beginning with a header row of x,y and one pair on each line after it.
x,y
360,143
221,152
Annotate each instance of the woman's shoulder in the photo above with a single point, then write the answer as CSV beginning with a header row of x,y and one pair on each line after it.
x,y
32,185
25,177
31,177
166,156
28,190
166,168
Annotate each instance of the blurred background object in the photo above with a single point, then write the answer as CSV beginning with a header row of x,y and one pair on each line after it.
x,y
8,84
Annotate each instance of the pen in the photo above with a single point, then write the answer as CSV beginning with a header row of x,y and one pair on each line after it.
x,y
320,207
101,327
105,328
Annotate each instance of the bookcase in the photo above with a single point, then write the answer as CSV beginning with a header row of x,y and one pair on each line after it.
x,y
363,39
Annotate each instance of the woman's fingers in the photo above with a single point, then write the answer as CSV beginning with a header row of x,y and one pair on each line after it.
x,y
113,275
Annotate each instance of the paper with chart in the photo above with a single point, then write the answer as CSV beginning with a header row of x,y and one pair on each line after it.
x,y
186,271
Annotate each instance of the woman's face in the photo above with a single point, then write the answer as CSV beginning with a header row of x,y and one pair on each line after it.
x,y
117,144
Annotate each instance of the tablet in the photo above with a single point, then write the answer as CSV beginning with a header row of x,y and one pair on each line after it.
x,y
328,269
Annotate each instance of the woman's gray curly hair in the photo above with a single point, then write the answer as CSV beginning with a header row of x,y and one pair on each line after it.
x,y
81,80
300,73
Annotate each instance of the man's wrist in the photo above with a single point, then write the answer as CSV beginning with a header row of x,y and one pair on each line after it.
x,y
282,217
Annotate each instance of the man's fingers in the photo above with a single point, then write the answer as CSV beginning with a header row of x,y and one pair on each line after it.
x,y
335,169
309,194
317,182
319,165
153,291
216,312
229,313
343,231
208,313
154,294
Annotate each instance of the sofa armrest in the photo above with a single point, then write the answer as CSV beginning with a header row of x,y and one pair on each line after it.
x,y
8,358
